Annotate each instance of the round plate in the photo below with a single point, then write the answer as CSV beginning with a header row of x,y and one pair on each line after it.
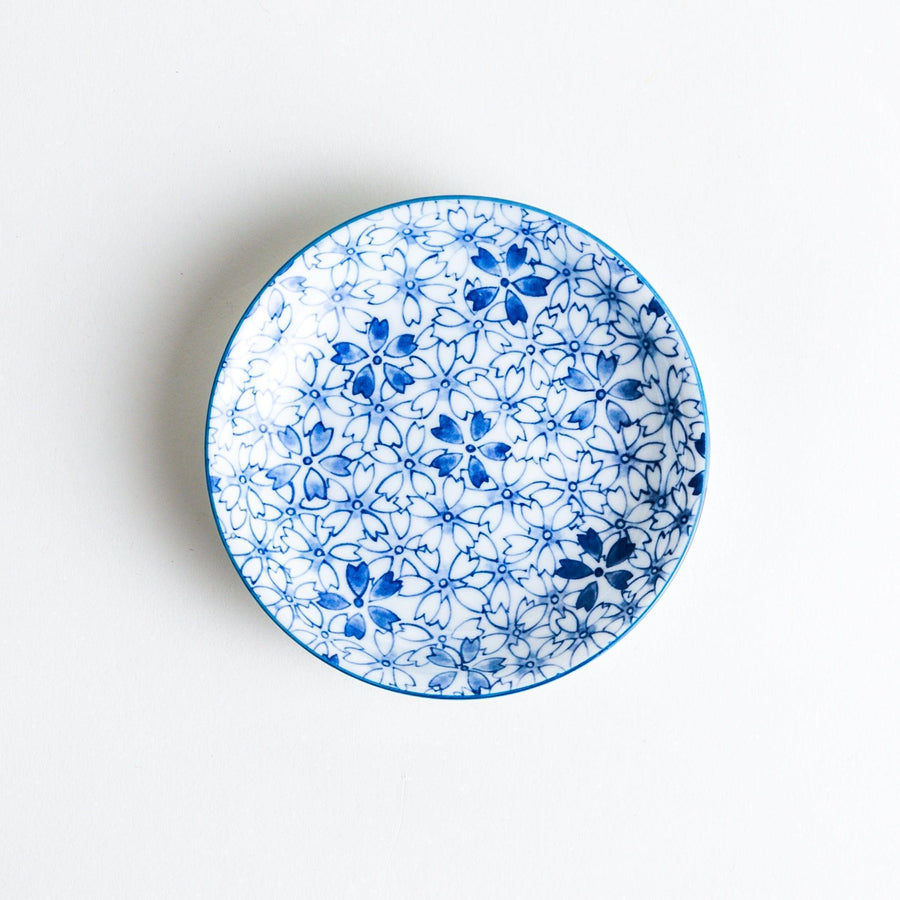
x,y
456,447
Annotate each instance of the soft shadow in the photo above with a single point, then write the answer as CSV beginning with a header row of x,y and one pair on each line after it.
x,y
254,242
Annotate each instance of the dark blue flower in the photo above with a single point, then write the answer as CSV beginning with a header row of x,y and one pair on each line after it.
x,y
603,565
349,354
526,285
360,582
450,433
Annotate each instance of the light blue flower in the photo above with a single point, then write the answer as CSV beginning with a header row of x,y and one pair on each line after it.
x,y
478,672
474,449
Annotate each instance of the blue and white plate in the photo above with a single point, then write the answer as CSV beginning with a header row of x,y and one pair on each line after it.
x,y
456,447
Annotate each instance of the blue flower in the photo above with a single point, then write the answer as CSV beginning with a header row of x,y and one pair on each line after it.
x,y
514,288
465,662
349,355
360,582
450,433
305,463
603,388
602,564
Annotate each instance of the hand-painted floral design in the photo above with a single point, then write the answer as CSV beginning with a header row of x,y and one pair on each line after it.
x,y
457,447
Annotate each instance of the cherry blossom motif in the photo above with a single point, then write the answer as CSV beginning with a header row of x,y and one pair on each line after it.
x,y
457,447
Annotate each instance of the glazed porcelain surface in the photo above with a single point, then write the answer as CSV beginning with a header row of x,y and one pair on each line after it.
x,y
456,447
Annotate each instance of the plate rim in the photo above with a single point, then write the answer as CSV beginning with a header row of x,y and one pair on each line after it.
x,y
487,199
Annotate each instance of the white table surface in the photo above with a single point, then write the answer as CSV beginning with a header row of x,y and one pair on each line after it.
x,y
159,737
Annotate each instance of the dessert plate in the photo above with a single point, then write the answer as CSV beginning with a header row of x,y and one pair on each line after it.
x,y
456,447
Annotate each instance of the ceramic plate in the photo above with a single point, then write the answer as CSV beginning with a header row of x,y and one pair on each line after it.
x,y
456,447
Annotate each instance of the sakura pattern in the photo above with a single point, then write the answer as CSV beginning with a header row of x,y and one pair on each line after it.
x,y
456,447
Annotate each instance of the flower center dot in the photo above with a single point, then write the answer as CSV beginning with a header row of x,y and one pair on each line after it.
x,y
358,602
357,504
546,534
598,572
385,662
336,297
319,552
574,345
447,516
443,583
243,479
470,448
410,285
445,383
506,493
377,360
504,282
307,460
600,394
529,349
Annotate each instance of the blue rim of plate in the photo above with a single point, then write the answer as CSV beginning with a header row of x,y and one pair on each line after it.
x,y
685,346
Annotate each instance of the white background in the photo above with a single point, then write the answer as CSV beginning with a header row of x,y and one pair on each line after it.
x,y
160,737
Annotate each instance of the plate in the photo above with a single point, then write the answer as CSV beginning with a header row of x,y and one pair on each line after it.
x,y
456,447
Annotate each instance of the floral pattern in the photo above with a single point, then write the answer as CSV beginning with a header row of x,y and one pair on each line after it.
x,y
456,447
